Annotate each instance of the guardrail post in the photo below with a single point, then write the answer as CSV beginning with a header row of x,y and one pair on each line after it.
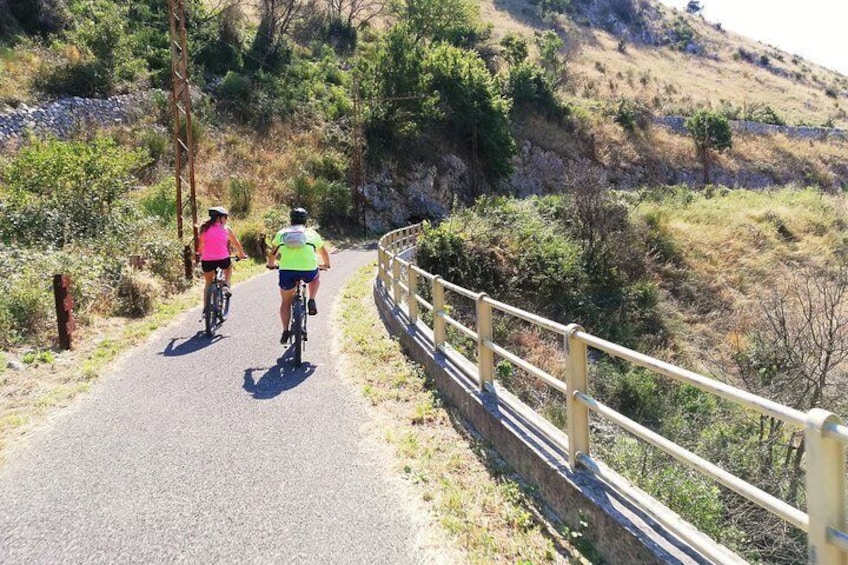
x,y
396,279
485,356
438,311
578,414
381,266
411,301
825,488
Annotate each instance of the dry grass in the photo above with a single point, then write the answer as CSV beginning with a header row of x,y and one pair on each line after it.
x,y
672,82
18,67
736,248
479,505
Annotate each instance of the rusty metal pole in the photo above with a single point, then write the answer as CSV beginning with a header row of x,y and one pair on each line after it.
x,y
183,139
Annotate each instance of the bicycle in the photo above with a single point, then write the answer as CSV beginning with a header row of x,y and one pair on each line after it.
x,y
216,305
299,317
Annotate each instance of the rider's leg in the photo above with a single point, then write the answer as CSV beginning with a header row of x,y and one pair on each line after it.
x,y
286,297
227,272
313,287
313,291
207,282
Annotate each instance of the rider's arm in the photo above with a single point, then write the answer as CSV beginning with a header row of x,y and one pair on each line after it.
x,y
325,257
272,253
237,244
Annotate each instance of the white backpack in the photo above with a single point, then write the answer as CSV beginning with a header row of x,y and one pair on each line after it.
x,y
294,237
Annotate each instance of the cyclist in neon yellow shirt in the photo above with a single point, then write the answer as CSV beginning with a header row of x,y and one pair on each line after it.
x,y
298,249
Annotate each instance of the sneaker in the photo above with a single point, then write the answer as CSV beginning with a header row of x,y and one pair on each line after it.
x,y
286,337
313,309
227,291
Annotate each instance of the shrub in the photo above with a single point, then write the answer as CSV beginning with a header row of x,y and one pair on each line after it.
x,y
59,192
160,201
515,49
530,87
632,115
250,237
108,64
329,202
763,113
235,97
241,197
26,307
137,293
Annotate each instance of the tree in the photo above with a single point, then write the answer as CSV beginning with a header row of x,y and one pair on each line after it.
x,y
453,21
269,51
550,45
711,133
355,12
694,6
472,106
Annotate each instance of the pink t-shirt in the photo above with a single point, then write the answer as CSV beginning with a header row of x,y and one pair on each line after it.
x,y
215,241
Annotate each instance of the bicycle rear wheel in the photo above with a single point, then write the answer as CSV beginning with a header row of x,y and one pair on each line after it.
x,y
209,309
297,331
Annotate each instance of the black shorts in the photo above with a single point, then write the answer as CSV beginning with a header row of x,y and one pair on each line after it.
x,y
209,266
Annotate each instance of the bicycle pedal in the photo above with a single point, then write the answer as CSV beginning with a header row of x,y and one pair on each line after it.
x,y
305,336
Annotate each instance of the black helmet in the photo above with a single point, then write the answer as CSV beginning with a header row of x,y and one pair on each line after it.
x,y
217,211
298,216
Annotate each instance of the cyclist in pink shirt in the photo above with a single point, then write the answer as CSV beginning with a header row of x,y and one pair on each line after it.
x,y
214,247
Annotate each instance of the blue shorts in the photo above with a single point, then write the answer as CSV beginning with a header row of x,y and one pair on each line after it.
x,y
288,279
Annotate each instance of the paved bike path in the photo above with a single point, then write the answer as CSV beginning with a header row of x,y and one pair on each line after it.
x,y
220,451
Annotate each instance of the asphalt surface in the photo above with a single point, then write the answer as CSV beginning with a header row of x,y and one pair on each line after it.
x,y
198,450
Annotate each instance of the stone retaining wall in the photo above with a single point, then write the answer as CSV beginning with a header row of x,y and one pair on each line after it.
x,y
677,124
67,115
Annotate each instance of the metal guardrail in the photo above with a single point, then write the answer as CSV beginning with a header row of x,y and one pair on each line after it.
x,y
826,436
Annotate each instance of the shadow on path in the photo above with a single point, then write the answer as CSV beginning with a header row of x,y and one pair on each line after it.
x,y
191,345
277,379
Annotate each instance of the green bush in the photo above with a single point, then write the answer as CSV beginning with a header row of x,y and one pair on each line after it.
x,y
57,192
235,96
28,307
250,236
108,66
160,201
241,197
329,202
530,87
632,115
473,108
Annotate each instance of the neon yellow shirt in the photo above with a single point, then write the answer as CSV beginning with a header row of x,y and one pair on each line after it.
x,y
298,258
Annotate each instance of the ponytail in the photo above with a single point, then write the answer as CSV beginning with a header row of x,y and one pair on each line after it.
x,y
206,225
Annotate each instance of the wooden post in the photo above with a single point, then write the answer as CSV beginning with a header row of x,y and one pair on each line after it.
x,y
188,262
825,488
578,413
485,356
396,279
438,312
263,247
411,300
64,310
